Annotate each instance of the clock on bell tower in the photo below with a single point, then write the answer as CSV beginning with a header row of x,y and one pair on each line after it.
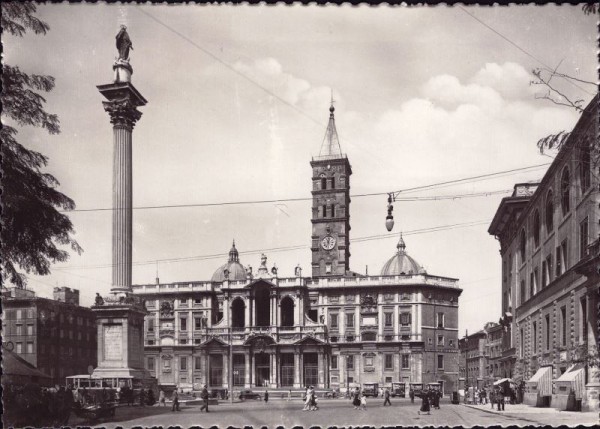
x,y
330,209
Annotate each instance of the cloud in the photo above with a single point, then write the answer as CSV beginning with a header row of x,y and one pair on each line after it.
x,y
511,80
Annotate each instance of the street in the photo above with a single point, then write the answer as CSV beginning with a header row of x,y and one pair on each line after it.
x,y
337,412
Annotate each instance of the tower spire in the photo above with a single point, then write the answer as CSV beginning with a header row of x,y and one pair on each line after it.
x,y
401,246
331,143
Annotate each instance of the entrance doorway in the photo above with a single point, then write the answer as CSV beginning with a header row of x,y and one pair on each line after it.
x,y
263,369
311,369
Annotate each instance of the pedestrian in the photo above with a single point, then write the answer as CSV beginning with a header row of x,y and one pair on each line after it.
x,y
363,402
289,395
437,394
162,400
386,397
266,396
204,396
500,400
492,398
175,406
425,406
356,400
411,394
313,400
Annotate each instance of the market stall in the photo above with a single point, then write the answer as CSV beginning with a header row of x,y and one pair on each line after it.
x,y
539,388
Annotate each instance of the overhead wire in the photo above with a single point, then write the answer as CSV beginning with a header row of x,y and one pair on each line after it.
x,y
464,180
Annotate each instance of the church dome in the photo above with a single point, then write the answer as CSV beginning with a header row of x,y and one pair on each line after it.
x,y
401,263
236,270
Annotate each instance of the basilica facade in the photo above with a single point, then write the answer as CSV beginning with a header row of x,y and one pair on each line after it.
x,y
334,329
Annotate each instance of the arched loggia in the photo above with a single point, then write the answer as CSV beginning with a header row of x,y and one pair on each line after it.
x,y
287,311
238,313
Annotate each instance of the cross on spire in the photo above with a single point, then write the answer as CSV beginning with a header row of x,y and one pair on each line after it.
x,y
331,143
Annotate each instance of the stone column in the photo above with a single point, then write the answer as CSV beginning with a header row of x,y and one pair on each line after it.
x,y
123,101
247,380
297,381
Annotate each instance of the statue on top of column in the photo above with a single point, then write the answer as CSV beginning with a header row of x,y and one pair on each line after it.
x,y
123,44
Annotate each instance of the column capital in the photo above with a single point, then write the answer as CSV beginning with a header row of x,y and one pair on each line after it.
x,y
123,113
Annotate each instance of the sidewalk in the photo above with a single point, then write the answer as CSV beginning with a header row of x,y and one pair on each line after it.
x,y
550,416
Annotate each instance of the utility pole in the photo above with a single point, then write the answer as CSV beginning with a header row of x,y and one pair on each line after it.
x,y
230,364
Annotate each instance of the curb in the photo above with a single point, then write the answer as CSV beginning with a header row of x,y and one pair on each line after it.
x,y
500,413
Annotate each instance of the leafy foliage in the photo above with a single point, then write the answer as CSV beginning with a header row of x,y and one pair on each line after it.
x,y
553,141
33,228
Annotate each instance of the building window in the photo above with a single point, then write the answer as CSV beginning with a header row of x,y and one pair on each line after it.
x,y
197,323
19,348
333,320
583,317
563,326
328,268
334,362
536,229
151,364
350,320
440,362
440,340
549,212
323,183
584,167
183,341
183,301
369,336
388,362
150,342
544,274
183,363
583,238
332,211
522,343
350,363
150,325
324,210
332,183
547,319
30,347
534,339
197,363
405,362
440,320
522,246
451,343
19,330
183,324
387,317
565,192
405,319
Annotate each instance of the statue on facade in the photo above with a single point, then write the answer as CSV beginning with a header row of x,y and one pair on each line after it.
x,y
263,260
98,300
123,44
298,271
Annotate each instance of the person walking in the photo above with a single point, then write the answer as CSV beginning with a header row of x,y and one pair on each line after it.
x,y
204,397
266,396
411,394
313,400
500,400
386,397
356,399
363,402
175,406
162,400
289,395
425,406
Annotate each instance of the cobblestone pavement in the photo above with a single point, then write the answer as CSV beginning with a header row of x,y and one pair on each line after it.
x,y
338,412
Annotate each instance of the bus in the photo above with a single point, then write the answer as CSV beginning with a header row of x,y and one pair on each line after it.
x,y
94,389
370,389
399,389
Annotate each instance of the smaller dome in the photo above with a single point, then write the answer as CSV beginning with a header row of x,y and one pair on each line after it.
x,y
401,263
236,269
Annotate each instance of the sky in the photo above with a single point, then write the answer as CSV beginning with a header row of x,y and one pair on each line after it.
x,y
238,100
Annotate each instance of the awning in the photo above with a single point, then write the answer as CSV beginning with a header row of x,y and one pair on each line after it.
x,y
541,381
572,373
17,370
503,380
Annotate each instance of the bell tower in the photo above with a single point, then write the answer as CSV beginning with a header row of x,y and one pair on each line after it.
x,y
330,206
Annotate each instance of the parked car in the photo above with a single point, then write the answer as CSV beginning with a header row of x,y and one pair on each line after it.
x,y
248,394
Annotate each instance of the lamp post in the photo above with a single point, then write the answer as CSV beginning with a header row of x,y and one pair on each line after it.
x,y
389,219
230,364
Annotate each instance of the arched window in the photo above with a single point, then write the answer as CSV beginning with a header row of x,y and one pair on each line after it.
x,y
536,228
565,191
238,313
522,246
287,311
332,182
584,166
262,306
323,183
332,211
549,212
324,210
